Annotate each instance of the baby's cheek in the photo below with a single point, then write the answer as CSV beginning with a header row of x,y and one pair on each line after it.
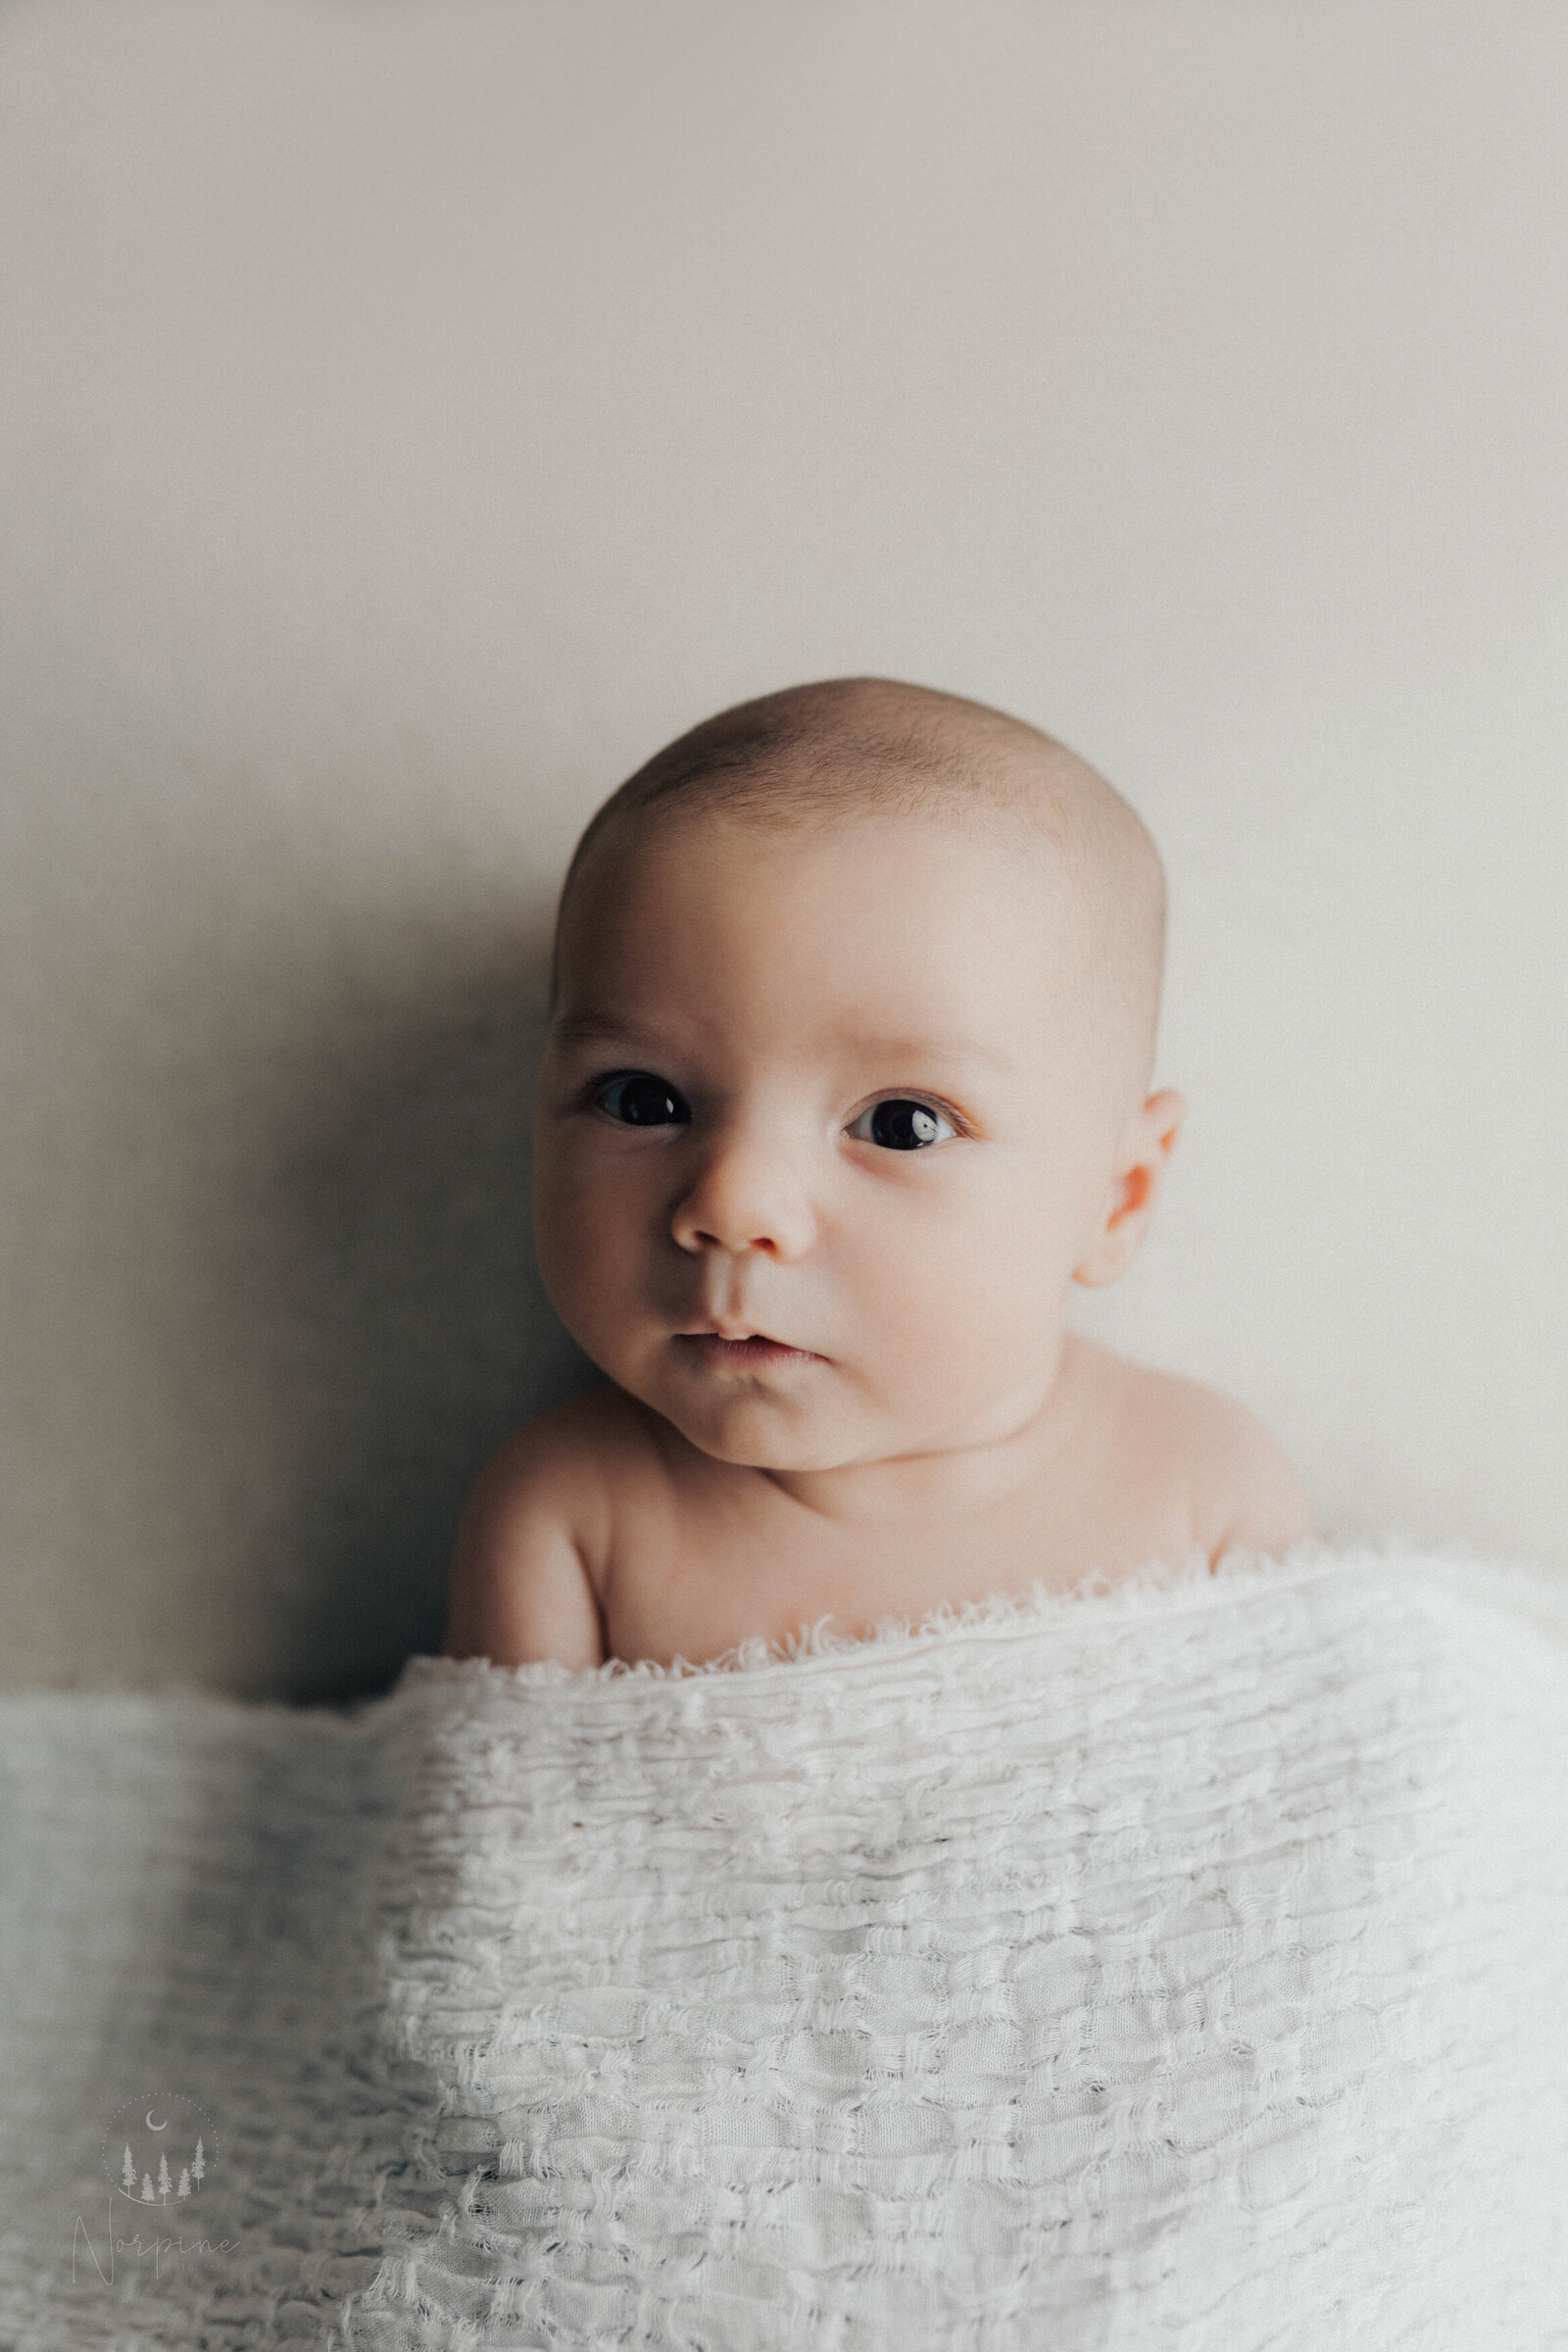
x,y
953,1304
582,1256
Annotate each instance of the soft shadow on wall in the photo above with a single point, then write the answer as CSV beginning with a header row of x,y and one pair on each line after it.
x,y
420,1334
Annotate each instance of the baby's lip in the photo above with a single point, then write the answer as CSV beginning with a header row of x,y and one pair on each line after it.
x,y
741,1335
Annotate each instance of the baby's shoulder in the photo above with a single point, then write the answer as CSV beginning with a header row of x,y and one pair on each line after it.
x,y
1240,1486
528,1575
572,1458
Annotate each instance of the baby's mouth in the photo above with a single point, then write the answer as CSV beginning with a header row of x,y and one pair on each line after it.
x,y
710,1348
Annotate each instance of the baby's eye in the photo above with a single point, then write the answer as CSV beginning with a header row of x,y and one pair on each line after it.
x,y
900,1125
639,1100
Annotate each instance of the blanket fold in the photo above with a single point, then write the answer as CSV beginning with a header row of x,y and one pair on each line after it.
x,y
1176,1964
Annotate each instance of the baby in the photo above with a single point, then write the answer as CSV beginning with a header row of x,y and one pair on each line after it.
x,y
853,1023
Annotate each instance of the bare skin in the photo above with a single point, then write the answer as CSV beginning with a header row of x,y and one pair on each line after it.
x,y
824,1138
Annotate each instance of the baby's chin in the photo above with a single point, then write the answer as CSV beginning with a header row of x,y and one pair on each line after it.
x,y
758,1431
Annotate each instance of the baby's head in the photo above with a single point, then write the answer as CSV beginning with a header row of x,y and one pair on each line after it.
x,y
853,1019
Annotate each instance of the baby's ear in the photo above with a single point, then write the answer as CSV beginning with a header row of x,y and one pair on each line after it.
x,y
1146,1145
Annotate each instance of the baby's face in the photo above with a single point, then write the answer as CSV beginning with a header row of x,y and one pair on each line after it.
x,y
825,1090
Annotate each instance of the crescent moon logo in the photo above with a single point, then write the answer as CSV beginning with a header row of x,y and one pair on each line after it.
x,y
160,2142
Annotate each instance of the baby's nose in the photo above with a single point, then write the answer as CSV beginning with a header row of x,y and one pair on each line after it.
x,y
748,1195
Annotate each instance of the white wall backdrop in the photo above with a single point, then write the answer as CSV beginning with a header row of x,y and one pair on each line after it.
x,y
414,414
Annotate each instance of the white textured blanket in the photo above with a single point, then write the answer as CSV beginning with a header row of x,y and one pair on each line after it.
x,y
1179,1966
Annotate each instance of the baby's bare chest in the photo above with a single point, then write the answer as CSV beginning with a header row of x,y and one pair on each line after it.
x,y
693,1573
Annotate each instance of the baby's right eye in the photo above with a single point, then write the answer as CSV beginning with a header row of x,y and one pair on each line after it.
x,y
639,1100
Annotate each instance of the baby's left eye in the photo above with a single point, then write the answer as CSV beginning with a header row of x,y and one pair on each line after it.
x,y
901,1125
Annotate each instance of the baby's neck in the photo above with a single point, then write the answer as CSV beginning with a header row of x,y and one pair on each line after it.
x,y
952,1481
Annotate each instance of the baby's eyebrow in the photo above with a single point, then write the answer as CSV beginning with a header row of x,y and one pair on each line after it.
x,y
932,1049
592,1028
599,1028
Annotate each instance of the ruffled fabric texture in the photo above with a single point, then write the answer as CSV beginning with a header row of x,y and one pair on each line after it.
x,y
1175,1964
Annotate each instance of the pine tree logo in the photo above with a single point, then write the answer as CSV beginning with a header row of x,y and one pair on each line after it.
x,y
159,2150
